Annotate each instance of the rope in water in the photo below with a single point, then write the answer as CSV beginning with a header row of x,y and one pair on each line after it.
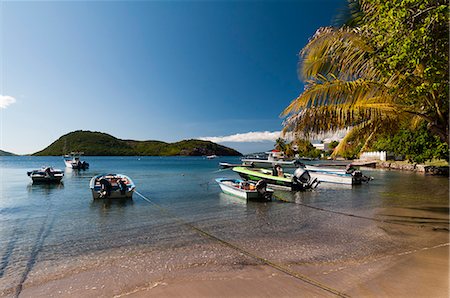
x,y
245,252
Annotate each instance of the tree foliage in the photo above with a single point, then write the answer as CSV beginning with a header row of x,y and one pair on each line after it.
x,y
388,71
416,146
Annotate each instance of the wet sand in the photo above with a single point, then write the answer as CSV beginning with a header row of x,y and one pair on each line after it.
x,y
421,273
212,269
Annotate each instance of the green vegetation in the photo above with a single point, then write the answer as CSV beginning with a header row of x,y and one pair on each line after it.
x,y
386,69
97,143
417,146
304,148
4,153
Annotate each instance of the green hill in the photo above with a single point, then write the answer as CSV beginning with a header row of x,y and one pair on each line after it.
x,y
98,143
4,153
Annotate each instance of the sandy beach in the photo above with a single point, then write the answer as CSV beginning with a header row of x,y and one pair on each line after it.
x,y
422,273
213,269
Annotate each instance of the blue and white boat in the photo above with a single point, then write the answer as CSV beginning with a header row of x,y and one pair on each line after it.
x,y
111,186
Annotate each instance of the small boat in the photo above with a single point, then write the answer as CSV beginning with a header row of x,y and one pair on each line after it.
x,y
73,161
274,157
211,156
46,175
113,186
245,189
300,180
349,176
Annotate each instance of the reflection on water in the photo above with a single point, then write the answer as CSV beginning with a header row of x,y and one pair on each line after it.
x,y
103,204
44,188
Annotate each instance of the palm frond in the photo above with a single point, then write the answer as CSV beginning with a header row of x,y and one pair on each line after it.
x,y
337,92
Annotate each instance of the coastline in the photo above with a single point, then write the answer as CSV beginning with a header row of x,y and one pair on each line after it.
x,y
413,167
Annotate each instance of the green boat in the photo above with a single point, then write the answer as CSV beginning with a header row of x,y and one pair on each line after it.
x,y
301,180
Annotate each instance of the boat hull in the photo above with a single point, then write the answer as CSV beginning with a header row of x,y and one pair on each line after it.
x,y
226,185
44,179
334,178
115,194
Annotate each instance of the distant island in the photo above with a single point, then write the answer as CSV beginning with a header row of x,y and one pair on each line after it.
x,y
4,153
102,144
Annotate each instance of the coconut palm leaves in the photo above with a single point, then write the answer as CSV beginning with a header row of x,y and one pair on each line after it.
x,y
354,78
342,90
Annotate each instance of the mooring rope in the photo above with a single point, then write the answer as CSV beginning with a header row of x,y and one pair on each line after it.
x,y
245,252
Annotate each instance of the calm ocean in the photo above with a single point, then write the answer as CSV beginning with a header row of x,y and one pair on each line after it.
x,y
56,223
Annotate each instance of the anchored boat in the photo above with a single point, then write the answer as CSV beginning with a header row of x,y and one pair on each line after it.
x,y
245,189
300,180
113,186
46,175
274,157
73,161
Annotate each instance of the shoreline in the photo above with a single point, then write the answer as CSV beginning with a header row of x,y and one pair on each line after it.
x,y
413,167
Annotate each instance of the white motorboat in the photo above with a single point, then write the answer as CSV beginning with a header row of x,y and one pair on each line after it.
x,y
73,161
46,175
274,157
211,156
325,170
111,186
245,189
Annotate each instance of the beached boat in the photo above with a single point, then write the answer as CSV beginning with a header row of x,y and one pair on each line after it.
x,y
245,189
113,186
73,161
300,180
46,175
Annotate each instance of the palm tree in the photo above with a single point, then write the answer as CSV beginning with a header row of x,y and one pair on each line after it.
x,y
347,85
280,144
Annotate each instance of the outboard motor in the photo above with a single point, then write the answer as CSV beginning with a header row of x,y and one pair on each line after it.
x,y
106,188
122,186
261,187
302,179
357,175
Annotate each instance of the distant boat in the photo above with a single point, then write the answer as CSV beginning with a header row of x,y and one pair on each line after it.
x,y
46,175
301,180
274,157
111,186
73,161
211,156
245,189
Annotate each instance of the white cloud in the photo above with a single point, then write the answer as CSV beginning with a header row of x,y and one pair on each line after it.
x,y
264,136
6,100
253,136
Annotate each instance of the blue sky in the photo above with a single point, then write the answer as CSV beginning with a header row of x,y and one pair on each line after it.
x,y
151,70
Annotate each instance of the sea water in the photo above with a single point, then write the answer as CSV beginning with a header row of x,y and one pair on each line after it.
x,y
55,224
